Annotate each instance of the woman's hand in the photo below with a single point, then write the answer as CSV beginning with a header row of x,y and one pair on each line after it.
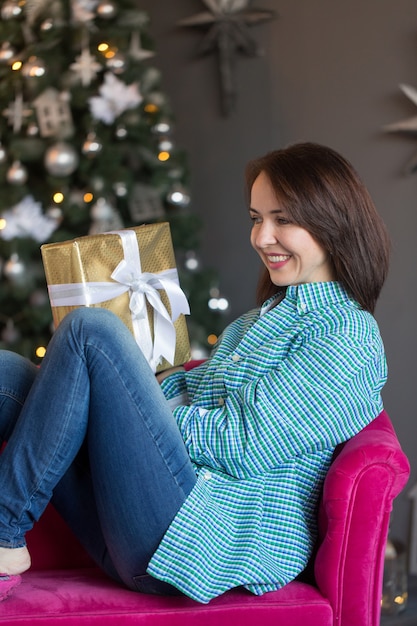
x,y
162,375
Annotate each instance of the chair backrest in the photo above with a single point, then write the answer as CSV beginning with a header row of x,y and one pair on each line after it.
x,y
368,472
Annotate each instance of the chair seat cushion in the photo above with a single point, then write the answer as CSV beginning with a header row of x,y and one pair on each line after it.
x,y
87,595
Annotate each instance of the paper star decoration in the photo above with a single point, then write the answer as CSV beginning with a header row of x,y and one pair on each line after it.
x,y
136,51
228,23
86,67
16,112
408,125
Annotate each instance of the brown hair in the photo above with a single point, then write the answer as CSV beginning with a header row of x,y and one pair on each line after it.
x,y
323,193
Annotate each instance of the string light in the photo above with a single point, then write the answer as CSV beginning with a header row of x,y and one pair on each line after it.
x,y
211,339
164,156
17,65
58,197
3,223
151,108
88,197
40,351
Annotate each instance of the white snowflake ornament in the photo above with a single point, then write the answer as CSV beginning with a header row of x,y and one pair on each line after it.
x,y
115,98
26,219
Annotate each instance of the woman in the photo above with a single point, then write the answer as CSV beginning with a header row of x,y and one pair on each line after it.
x,y
210,479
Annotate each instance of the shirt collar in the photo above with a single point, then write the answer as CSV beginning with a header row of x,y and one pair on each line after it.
x,y
310,296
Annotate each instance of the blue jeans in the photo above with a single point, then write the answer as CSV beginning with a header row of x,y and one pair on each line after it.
x,y
91,430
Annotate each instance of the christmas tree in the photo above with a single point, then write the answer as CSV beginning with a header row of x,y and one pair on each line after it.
x,y
86,146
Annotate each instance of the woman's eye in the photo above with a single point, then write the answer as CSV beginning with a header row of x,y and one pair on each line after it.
x,y
255,219
282,221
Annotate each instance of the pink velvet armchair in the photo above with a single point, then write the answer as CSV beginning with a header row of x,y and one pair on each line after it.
x,y
63,587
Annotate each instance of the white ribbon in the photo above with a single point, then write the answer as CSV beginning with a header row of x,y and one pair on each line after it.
x,y
142,287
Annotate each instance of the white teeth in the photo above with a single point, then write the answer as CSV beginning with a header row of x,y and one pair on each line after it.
x,y
278,258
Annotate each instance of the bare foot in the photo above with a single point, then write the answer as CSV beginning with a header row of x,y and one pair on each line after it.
x,y
14,560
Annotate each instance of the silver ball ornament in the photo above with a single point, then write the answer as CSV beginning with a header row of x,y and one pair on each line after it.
x,y
11,9
116,63
179,196
7,53
17,174
106,10
34,67
102,210
61,159
121,132
163,127
32,130
3,154
120,189
92,146
47,25
14,269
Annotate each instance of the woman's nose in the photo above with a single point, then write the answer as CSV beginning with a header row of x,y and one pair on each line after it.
x,y
266,235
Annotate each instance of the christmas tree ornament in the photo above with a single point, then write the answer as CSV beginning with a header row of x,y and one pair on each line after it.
x,y
116,63
3,154
34,67
39,298
192,262
136,51
145,203
106,10
26,220
120,189
47,25
35,8
121,132
10,333
91,146
165,145
178,196
11,9
61,159
105,218
115,98
16,112
163,127
86,67
97,183
32,130
17,174
102,210
54,213
83,10
14,269
216,301
53,113
7,53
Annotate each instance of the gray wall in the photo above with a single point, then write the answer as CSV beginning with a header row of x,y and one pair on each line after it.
x,y
330,73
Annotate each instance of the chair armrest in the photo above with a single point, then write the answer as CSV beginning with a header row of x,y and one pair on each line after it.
x,y
367,474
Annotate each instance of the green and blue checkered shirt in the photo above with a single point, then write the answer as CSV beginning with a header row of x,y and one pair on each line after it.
x,y
260,420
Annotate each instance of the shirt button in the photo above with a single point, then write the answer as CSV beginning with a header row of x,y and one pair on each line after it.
x,y
235,358
220,401
207,475
303,306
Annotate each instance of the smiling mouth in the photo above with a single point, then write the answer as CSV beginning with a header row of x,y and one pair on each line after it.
x,y
277,258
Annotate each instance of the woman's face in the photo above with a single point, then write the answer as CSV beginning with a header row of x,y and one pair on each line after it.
x,y
289,252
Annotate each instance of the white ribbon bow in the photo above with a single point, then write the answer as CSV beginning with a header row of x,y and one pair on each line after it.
x,y
142,287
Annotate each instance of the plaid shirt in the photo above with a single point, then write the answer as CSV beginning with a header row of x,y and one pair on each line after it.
x,y
283,387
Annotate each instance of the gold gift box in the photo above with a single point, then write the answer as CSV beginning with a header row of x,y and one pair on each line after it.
x,y
93,258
